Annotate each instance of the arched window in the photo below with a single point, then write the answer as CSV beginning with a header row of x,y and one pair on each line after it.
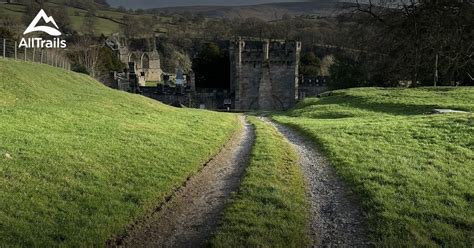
x,y
145,61
132,58
132,63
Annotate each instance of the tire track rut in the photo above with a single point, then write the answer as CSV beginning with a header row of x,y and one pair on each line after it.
x,y
192,214
337,219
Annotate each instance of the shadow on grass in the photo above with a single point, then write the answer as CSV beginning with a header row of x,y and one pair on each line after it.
x,y
367,104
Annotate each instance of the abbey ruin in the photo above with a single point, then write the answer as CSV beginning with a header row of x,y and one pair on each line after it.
x,y
145,64
263,76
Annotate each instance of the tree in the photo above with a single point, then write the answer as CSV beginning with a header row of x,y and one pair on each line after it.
x,y
413,34
86,54
346,72
310,65
89,25
6,33
63,19
8,28
136,26
211,67
31,10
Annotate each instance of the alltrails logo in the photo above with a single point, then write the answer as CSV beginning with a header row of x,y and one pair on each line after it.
x,y
40,42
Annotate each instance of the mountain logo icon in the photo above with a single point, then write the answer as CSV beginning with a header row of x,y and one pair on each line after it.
x,y
48,19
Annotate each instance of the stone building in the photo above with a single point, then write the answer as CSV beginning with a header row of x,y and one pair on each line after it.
x,y
146,64
264,73
312,86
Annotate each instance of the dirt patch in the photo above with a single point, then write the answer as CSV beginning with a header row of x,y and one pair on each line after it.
x,y
336,217
189,217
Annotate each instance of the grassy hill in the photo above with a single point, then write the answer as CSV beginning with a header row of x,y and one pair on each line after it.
x,y
79,161
268,12
413,170
108,21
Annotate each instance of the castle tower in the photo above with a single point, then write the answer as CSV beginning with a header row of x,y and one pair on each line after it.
x,y
264,73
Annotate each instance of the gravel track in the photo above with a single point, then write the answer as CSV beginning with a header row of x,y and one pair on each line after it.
x,y
192,214
336,217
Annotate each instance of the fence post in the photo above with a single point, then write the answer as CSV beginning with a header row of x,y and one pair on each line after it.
x,y
34,53
4,47
41,61
25,53
16,48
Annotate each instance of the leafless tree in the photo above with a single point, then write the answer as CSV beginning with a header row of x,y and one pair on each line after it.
x,y
420,37
86,51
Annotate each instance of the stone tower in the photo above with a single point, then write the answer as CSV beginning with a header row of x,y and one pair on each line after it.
x,y
264,73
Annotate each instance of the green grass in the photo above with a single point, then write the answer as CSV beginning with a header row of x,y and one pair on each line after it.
x,y
101,25
152,83
270,209
414,171
12,11
88,160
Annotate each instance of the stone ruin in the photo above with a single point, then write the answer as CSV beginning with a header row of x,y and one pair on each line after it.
x,y
263,76
145,64
264,73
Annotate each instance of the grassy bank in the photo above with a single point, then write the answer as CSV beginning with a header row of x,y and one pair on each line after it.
x,y
86,160
414,171
270,209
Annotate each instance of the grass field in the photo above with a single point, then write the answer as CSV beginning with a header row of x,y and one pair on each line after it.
x,y
107,21
414,171
86,160
270,209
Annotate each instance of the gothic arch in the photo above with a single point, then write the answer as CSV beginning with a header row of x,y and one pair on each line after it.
x,y
145,61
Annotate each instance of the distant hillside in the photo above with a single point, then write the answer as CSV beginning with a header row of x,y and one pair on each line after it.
x,y
148,4
100,3
267,12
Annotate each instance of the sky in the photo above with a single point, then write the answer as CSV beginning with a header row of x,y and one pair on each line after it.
x,y
171,3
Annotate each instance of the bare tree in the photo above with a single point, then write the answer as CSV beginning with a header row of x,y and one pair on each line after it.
x,y
86,51
417,35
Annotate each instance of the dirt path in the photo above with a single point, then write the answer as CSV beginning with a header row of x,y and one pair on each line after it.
x,y
337,219
191,215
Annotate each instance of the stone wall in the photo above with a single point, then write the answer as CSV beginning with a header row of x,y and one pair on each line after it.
x,y
264,73
312,86
192,99
147,66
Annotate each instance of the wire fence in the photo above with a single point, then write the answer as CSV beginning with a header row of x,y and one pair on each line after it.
x,y
53,57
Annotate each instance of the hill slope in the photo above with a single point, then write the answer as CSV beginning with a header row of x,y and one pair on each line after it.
x,y
269,12
414,171
79,161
